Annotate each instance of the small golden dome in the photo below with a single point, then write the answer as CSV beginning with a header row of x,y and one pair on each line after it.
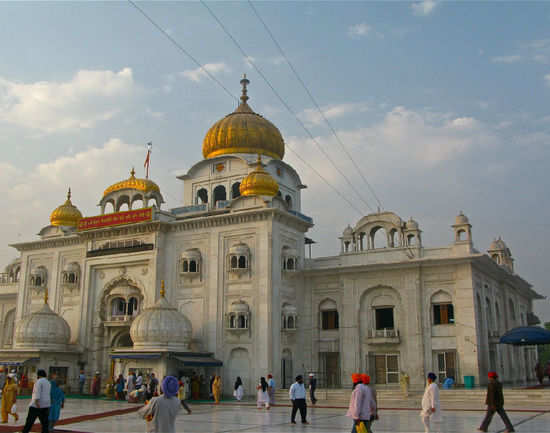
x,y
66,215
259,182
144,185
243,131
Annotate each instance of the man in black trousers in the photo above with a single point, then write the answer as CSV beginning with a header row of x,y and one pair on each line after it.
x,y
495,403
312,388
40,403
297,395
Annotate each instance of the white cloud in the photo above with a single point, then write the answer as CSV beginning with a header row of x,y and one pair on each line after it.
x,y
30,195
424,7
199,73
506,59
47,106
313,117
359,30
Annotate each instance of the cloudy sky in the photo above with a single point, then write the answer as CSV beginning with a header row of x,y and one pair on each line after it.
x,y
444,106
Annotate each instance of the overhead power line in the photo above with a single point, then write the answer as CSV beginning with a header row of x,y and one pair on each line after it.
x,y
181,49
186,53
289,109
313,100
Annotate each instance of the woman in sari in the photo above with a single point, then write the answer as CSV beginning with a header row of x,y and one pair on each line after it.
x,y
9,396
217,389
57,397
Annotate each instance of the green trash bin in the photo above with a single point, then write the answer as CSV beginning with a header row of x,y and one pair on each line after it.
x,y
469,382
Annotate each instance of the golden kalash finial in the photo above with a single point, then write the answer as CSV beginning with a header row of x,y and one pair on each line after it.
x,y
132,172
244,82
46,295
162,291
69,194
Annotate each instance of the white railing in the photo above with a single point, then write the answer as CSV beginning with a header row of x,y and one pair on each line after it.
x,y
383,333
122,318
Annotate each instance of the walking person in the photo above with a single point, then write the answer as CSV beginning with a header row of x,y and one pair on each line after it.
x,y
238,389
366,382
130,384
495,403
120,382
263,396
40,403
9,398
139,381
297,395
57,398
181,396
210,386
362,406
217,389
160,413
271,389
431,410
312,388
195,387
153,386
81,382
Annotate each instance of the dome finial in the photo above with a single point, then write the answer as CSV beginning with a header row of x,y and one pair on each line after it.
x,y
69,194
132,172
244,82
162,291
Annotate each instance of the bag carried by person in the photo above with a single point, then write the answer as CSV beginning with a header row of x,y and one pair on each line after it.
x,y
361,427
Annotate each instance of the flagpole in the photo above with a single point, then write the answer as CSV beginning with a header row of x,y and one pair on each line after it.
x,y
148,159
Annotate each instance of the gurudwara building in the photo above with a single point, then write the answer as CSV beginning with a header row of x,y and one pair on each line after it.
x,y
222,283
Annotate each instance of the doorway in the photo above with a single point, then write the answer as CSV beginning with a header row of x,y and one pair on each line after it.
x,y
330,369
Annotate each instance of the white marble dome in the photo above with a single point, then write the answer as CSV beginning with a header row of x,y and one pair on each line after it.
x,y
161,327
42,330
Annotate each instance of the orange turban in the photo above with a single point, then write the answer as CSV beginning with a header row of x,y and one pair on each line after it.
x,y
356,378
365,378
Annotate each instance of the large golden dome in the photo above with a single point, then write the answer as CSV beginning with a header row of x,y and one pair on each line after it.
x,y
144,185
243,131
259,182
66,215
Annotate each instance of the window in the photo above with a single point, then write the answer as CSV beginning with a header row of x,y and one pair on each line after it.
x,y
242,262
329,319
386,368
443,314
234,262
118,307
446,365
193,266
289,264
132,306
202,196
384,318
235,190
185,266
288,200
241,322
219,194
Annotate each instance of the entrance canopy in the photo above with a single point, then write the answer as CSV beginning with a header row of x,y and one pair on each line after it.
x,y
198,361
526,336
17,362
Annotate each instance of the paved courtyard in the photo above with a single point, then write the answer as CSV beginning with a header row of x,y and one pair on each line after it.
x,y
246,418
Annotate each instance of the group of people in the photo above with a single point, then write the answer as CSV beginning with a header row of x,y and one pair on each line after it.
x,y
541,371
47,400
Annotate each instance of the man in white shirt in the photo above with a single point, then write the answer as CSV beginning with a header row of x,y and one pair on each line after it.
x,y
40,403
297,395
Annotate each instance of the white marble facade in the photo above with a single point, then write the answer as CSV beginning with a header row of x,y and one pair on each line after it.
x,y
235,267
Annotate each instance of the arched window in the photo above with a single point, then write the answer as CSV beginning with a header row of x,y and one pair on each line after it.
x,y
290,323
219,194
512,311
202,196
185,266
123,207
235,190
378,237
38,280
234,262
109,207
242,322
411,240
192,266
329,315
232,321
442,308
132,307
394,238
118,307
288,200
242,262
290,264
460,235
496,258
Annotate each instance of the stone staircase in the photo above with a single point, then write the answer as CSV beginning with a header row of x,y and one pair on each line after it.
x,y
460,398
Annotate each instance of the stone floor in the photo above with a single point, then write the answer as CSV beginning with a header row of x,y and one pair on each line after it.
x,y
248,419
245,418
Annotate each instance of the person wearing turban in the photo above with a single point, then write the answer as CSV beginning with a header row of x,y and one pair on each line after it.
x,y
362,405
495,403
431,410
160,413
366,382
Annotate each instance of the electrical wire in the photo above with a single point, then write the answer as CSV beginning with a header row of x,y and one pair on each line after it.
x,y
313,100
288,108
180,48
185,52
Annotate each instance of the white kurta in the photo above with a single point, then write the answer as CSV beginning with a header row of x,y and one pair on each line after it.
x,y
164,411
239,392
431,400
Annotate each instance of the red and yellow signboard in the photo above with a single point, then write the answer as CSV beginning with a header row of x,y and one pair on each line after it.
x,y
116,219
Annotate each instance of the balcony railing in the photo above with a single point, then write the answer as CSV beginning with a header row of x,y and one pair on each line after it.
x,y
189,209
122,318
5,278
383,336
302,216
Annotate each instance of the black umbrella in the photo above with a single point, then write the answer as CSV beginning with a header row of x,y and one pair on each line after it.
x,y
526,336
